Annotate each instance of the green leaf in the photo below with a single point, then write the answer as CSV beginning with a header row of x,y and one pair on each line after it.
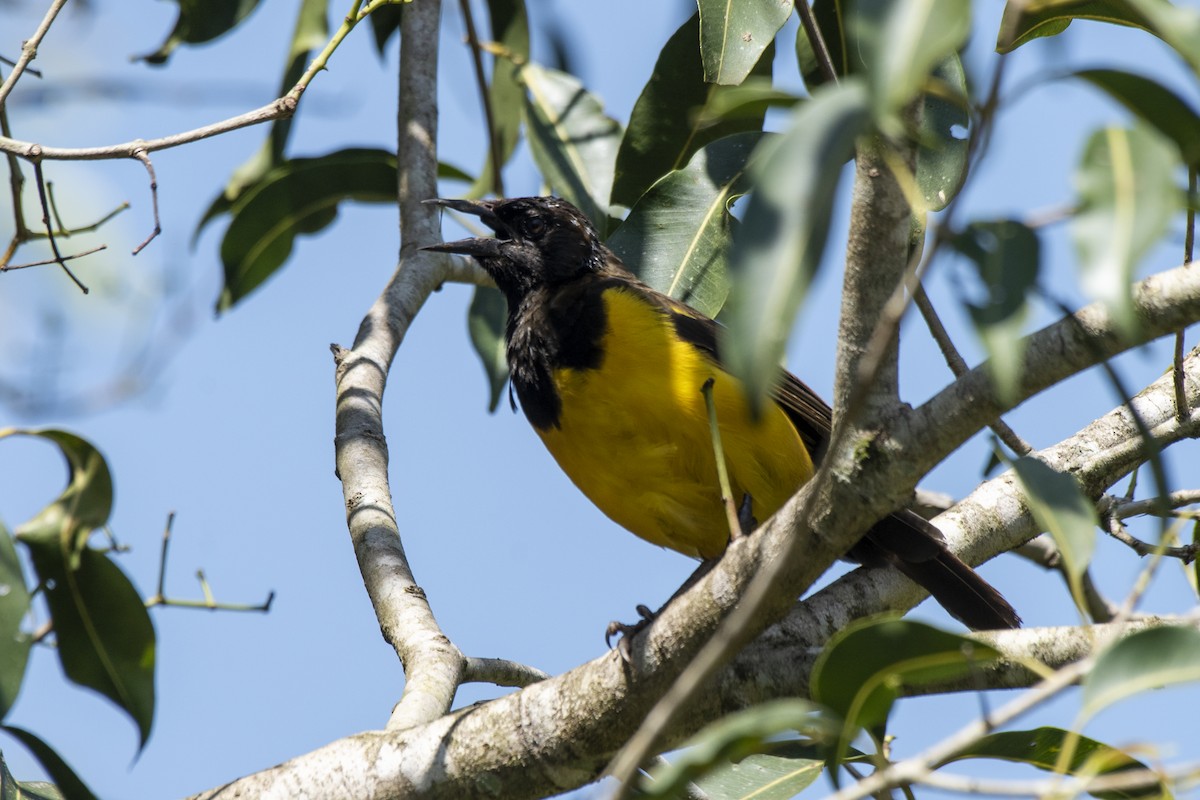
x,y
1007,256
574,143
104,634
486,319
201,21
67,783
510,29
1157,105
1145,660
865,667
85,503
1060,508
738,736
1043,748
942,155
670,119
385,23
1127,196
14,605
782,237
1177,26
733,36
300,196
902,42
781,774
749,101
678,236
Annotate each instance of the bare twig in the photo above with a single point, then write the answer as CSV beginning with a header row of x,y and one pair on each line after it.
x,y
485,98
59,260
1189,241
29,49
817,41
209,603
142,156
1043,552
500,672
58,257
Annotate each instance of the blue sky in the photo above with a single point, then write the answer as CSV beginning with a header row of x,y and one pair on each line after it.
x,y
234,430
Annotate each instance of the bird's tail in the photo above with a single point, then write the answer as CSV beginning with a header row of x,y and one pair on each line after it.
x,y
914,546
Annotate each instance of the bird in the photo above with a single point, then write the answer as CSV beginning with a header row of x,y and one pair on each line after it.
x,y
609,373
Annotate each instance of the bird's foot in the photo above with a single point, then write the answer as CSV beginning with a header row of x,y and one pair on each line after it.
x,y
626,632
745,515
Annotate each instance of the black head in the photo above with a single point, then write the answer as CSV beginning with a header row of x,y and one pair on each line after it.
x,y
540,241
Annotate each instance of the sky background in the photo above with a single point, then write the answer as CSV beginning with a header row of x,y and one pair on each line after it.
x,y
228,421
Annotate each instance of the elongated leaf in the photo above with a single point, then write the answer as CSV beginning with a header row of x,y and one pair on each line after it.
x,y
749,100
1042,748
385,23
942,155
201,21
902,42
781,774
1060,508
668,123
1145,660
1177,26
678,237
300,196
574,143
782,237
14,605
733,36
1007,256
1157,105
737,737
65,779
485,322
510,29
1127,196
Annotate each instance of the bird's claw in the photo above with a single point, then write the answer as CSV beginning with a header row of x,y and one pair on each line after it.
x,y
627,632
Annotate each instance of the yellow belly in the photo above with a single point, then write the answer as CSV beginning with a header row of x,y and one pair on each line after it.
x,y
634,436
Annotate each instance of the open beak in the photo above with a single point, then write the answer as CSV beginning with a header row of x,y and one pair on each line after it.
x,y
478,247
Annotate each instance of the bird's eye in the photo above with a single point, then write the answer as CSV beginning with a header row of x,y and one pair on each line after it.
x,y
533,227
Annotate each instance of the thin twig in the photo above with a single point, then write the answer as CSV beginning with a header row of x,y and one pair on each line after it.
x,y
484,97
714,429
29,49
58,260
1189,241
142,156
58,257
817,41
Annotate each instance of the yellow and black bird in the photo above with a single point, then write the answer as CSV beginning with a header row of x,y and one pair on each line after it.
x,y
609,373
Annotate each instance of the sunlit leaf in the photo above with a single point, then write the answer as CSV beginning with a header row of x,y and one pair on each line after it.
x,y
1043,748
747,101
670,120
1006,254
485,322
678,237
574,142
1148,659
782,236
734,35
510,29
942,155
65,779
737,737
14,605
788,769
1127,196
1157,105
201,21
1060,508
300,196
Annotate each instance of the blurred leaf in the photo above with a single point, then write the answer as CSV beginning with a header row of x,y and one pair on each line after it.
x,y
1127,196
200,21
865,667
486,319
1007,256
1148,659
1157,105
678,236
750,100
14,605
737,736
65,779
734,35
1177,26
104,635
665,126
781,774
385,23
84,504
942,155
510,28
574,143
902,42
311,32
782,237
829,16
300,196
1060,508
1042,748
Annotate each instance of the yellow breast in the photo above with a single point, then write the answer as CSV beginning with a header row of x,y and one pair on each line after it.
x,y
634,436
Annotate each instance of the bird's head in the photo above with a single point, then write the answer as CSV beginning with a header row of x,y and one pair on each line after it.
x,y
539,241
